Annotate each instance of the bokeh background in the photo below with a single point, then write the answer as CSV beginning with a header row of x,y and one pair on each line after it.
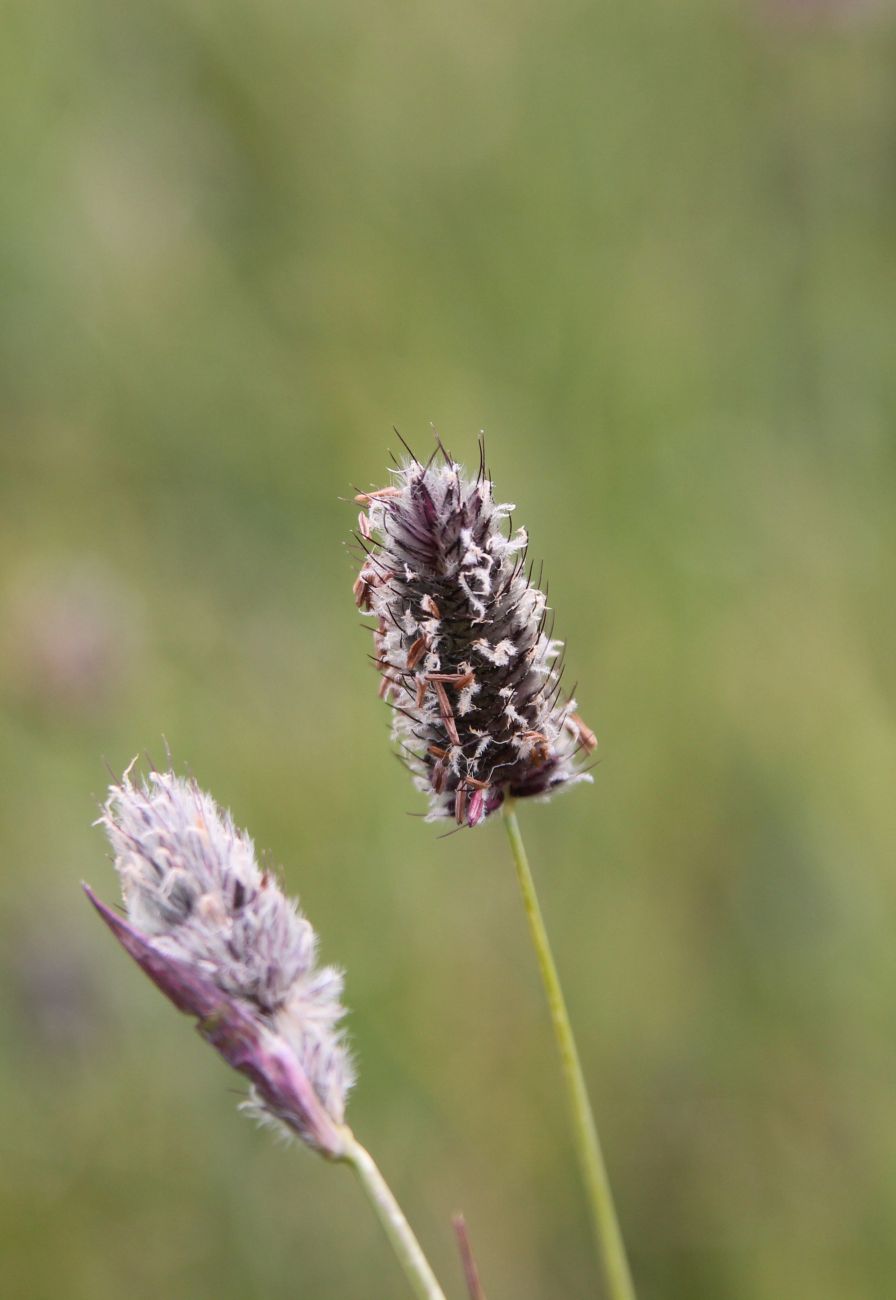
x,y
650,249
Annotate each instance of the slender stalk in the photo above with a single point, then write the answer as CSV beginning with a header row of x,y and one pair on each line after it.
x,y
594,1171
397,1229
467,1258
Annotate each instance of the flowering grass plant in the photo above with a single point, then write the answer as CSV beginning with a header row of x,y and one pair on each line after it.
x,y
469,664
463,641
219,938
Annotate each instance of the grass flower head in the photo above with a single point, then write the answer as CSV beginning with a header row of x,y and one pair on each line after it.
x,y
463,643
217,935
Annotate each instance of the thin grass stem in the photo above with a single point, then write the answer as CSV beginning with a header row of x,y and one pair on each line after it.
x,y
467,1258
395,1225
611,1248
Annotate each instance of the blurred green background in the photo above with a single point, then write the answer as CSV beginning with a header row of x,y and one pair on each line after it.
x,y
650,249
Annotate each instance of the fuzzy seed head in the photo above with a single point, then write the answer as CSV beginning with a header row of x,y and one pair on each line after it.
x,y
204,917
463,645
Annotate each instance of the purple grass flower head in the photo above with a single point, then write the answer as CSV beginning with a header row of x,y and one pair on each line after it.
x,y
463,644
220,939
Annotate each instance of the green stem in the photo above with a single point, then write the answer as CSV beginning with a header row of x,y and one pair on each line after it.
x,y
594,1171
397,1229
